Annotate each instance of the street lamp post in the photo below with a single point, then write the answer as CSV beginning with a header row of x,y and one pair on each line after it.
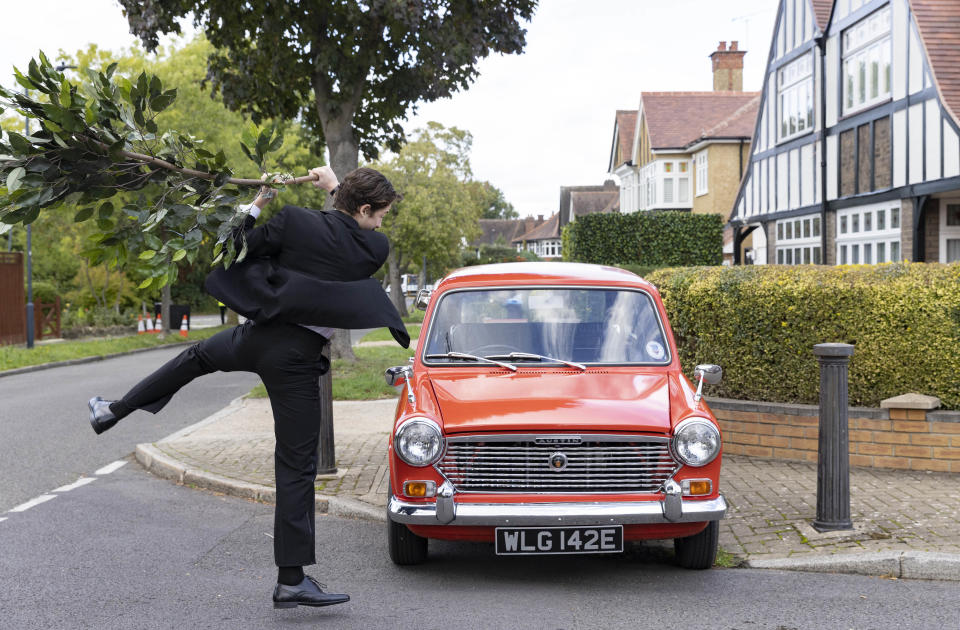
x,y
30,327
30,331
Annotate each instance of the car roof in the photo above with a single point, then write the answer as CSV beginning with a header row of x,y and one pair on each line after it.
x,y
539,272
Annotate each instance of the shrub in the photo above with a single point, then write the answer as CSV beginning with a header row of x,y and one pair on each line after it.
x,y
44,292
760,324
645,238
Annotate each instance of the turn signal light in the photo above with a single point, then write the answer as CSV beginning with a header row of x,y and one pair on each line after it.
x,y
697,487
420,488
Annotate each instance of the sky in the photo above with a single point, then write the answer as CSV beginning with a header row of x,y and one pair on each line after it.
x,y
539,120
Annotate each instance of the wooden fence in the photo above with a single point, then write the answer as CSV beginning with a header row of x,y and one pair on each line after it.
x,y
13,315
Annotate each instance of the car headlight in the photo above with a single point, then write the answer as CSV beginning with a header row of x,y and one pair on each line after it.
x,y
418,441
696,442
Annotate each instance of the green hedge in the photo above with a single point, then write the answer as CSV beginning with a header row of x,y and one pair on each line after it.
x,y
760,324
665,238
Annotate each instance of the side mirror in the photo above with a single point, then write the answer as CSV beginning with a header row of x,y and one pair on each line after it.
x,y
397,374
711,374
707,373
422,299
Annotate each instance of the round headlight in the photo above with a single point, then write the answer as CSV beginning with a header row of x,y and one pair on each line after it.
x,y
696,442
418,441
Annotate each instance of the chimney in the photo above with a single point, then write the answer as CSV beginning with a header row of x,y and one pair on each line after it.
x,y
727,68
539,219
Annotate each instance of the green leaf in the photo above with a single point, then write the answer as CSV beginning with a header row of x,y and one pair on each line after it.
x,y
147,255
106,209
152,241
83,214
155,86
247,152
20,144
111,69
145,283
14,178
263,143
179,254
65,99
277,142
105,225
161,102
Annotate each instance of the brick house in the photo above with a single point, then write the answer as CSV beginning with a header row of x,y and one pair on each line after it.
x,y
576,201
503,231
543,240
687,150
857,151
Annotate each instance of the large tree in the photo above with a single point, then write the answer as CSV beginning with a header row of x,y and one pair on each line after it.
x,y
350,70
439,210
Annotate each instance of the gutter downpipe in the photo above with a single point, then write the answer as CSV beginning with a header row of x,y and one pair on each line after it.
x,y
822,46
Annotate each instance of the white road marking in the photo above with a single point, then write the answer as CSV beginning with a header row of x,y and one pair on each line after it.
x,y
2,518
82,481
109,468
43,498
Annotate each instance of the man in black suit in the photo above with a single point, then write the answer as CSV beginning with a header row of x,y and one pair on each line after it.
x,y
305,273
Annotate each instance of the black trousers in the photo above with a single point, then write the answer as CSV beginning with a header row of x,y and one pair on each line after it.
x,y
288,359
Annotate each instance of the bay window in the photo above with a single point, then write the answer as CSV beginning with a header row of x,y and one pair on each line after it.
x,y
866,62
795,97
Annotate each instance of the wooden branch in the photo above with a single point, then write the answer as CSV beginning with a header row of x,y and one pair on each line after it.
x,y
149,159
210,176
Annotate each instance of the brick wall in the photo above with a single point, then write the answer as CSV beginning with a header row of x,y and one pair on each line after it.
x,y
910,439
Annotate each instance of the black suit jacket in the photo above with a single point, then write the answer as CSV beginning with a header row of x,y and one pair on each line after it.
x,y
310,267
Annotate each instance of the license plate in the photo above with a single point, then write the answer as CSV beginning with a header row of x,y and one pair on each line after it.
x,y
525,541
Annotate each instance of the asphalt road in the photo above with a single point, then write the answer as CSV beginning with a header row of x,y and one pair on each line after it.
x,y
132,551
45,435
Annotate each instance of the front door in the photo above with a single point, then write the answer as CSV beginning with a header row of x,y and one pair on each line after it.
x,y
950,230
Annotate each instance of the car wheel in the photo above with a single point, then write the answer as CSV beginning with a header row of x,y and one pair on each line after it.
x,y
700,550
405,547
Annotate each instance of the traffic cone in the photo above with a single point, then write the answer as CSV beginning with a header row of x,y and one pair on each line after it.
x,y
141,328
184,331
149,326
158,325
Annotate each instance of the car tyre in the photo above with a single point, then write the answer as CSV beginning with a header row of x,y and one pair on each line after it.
x,y
700,550
405,547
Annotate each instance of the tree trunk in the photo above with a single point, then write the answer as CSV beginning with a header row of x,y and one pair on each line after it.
x,y
165,309
344,158
396,291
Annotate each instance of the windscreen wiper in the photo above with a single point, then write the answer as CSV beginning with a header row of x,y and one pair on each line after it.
x,y
470,357
529,356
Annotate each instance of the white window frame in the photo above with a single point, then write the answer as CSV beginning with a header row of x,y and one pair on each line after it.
x,y
861,246
866,43
947,232
702,173
795,98
802,249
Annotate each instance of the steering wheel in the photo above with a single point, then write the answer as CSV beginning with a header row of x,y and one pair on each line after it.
x,y
493,348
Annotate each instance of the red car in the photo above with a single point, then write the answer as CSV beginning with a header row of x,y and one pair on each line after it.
x,y
546,412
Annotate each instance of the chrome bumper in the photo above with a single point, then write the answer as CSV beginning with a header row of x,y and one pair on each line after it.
x,y
672,509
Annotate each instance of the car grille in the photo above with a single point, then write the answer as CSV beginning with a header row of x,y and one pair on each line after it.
x,y
606,464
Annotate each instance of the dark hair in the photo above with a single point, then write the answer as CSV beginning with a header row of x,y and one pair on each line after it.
x,y
364,186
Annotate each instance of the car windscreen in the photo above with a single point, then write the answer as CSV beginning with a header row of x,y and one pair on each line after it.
x,y
585,325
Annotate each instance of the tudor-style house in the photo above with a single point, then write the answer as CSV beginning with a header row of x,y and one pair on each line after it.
x,y
687,150
856,158
543,240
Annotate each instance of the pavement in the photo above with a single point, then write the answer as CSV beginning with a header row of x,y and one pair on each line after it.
x,y
906,523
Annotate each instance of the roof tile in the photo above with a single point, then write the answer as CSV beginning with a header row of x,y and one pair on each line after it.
x,y
677,119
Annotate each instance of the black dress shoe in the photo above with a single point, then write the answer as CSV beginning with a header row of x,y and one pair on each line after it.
x,y
309,592
101,418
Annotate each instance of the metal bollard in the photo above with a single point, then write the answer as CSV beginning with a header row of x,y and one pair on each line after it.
x,y
833,460
326,451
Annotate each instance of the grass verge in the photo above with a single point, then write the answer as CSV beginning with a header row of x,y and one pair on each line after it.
x,y
12,357
383,334
361,379
727,560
